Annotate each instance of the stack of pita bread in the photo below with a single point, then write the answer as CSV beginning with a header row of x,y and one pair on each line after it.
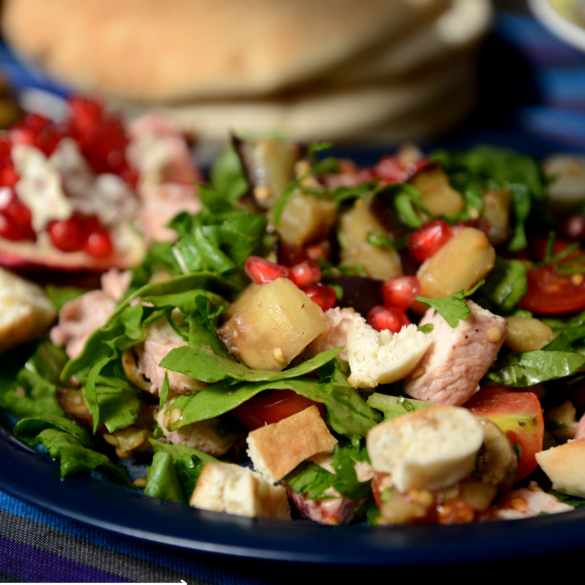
x,y
310,69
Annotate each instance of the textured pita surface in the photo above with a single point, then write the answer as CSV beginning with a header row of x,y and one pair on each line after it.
x,y
278,448
152,50
413,108
565,467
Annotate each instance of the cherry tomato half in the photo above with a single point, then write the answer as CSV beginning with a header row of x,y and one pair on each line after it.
x,y
272,408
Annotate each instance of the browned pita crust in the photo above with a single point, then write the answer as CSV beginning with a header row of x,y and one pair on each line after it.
x,y
153,50
278,448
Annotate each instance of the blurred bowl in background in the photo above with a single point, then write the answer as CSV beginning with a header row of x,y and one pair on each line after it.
x,y
564,18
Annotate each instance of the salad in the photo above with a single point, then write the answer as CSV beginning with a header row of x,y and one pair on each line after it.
x,y
400,343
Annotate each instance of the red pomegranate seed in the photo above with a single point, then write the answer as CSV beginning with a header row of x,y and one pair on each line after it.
x,y
319,251
400,291
426,240
19,214
305,274
324,296
99,244
69,235
262,271
86,113
390,170
9,230
8,177
5,151
289,254
390,318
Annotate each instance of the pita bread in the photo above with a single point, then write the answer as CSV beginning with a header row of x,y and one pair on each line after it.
x,y
332,112
434,41
181,49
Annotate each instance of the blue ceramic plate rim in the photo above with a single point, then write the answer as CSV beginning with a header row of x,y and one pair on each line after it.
x,y
34,478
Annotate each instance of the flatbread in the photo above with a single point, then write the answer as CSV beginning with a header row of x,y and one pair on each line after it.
x,y
329,112
149,50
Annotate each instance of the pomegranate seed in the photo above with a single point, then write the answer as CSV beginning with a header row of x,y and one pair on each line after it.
x,y
68,235
391,318
5,151
23,135
8,177
390,170
426,240
9,230
86,113
305,274
289,254
400,291
19,214
324,296
99,244
262,271
318,251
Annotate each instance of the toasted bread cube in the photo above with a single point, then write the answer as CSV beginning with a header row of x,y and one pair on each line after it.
x,y
565,467
225,487
278,448
383,357
428,449
272,325
25,310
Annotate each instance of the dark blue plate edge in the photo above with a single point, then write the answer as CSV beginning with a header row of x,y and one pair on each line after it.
x,y
35,479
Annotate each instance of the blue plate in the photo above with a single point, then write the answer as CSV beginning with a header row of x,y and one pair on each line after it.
x,y
34,478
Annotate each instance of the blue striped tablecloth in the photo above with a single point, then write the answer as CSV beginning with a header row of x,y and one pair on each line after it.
x,y
532,84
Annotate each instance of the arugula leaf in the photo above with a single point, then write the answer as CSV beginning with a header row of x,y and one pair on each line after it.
x,y
207,364
163,481
427,328
506,284
179,451
532,367
159,258
393,406
28,429
312,480
61,295
559,343
406,198
27,388
567,499
227,175
573,329
498,168
73,455
347,413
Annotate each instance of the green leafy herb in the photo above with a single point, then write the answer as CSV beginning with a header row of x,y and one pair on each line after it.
x,y
375,239
312,480
533,367
347,413
406,199
452,308
227,175
163,480
393,406
426,328
566,499
28,429
386,495
493,168
507,284
179,451
61,295
518,450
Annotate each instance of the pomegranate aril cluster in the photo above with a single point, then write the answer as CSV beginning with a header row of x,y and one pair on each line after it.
x,y
305,275
102,140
